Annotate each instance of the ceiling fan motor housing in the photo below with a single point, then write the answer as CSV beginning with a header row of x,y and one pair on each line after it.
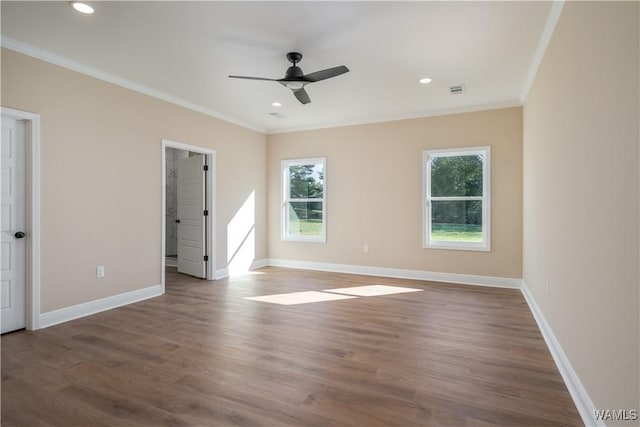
x,y
293,73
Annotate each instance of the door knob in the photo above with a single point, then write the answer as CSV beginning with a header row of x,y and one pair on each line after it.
x,y
177,221
19,234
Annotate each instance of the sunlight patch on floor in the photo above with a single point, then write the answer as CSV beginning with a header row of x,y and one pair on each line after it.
x,y
372,290
332,294
299,297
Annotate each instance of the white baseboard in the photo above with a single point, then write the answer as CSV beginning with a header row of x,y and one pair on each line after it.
x,y
92,307
259,263
467,279
224,272
171,262
578,393
221,273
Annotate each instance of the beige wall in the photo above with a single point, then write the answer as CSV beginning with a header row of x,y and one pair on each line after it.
x,y
581,187
101,177
374,188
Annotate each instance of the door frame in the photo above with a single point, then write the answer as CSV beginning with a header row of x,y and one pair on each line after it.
x,y
210,204
32,212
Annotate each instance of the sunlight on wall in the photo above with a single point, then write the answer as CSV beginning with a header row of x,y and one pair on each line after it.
x,y
241,237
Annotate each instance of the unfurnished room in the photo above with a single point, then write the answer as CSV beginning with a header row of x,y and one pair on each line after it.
x,y
317,213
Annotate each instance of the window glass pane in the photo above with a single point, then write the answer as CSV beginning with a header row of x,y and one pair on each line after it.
x,y
456,176
306,181
459,221
305,219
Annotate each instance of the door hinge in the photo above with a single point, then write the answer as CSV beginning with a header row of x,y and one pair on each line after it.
x,y
206,257
206,167
206,212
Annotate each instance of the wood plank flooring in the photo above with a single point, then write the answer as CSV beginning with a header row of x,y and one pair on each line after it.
x,y
202,355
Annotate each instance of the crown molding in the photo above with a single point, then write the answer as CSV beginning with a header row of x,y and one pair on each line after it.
x,y
61,61
419,115
545,38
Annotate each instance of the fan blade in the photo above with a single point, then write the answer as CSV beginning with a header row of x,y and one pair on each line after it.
x,y
325,74
253,78
302,96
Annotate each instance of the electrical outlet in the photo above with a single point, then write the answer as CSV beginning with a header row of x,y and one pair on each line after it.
x,y
100,271
365,249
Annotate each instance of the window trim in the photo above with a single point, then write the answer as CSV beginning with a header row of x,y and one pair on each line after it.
x,y
285,199
485,245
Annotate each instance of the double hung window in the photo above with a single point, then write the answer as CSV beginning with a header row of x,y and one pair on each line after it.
x,y
456,199
304,200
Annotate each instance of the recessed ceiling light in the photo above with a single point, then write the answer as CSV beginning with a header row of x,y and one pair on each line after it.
x,y
276,104
81,7
425,81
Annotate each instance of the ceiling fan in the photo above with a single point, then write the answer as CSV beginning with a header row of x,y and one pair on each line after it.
x,y
296,80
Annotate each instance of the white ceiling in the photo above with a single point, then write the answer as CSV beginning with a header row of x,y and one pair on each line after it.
x,y
184,51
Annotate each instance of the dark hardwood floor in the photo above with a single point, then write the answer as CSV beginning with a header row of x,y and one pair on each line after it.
x,y
202,355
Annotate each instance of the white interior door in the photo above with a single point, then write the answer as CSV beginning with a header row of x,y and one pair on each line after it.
x,y
191,216
12,217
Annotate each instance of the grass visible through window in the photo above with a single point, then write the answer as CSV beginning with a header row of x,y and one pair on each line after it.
x,y
456,232
306,227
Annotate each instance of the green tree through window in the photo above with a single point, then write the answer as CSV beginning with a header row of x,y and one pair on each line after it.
x,y
307,181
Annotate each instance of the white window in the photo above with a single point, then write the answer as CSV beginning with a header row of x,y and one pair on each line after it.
x,y
304,200
456,199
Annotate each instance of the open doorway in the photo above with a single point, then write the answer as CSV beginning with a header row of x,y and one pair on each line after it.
x,y
173,156
188,209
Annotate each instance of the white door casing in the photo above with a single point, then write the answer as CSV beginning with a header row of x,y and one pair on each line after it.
x,y
12,216
192,226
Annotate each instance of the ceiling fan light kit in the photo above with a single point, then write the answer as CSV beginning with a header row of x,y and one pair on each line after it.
x,y
296,80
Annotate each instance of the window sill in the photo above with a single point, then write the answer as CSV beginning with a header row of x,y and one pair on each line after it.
x,y
457,246
304,239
